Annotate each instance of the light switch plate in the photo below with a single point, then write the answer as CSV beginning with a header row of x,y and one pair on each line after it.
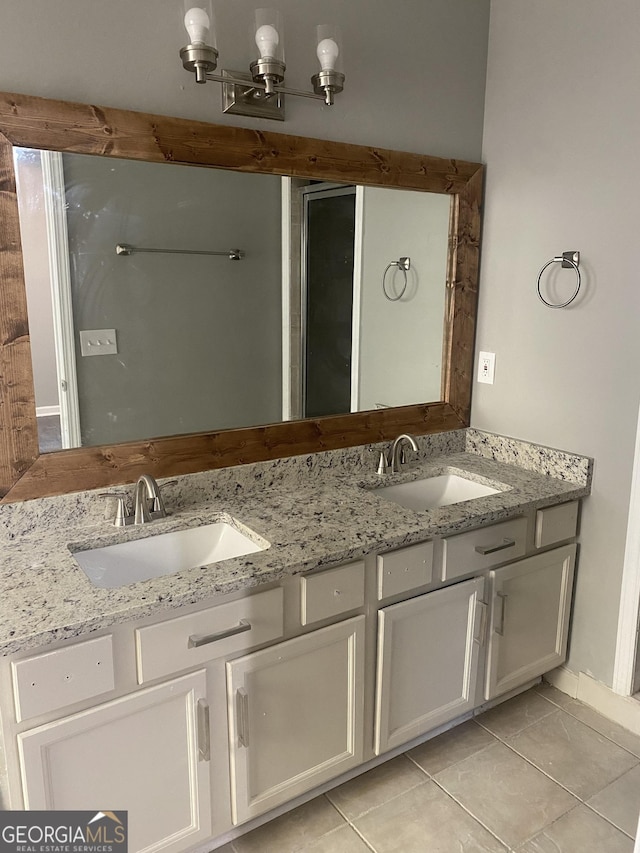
x,y
98,342
486,367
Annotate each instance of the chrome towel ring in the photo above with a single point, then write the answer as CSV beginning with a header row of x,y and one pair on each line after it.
x,y
403,264
568,260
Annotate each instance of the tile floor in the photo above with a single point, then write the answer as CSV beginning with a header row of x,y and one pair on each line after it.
x,y
541,773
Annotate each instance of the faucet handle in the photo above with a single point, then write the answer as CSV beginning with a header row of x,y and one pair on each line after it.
x,y
383,464
123,514
403,454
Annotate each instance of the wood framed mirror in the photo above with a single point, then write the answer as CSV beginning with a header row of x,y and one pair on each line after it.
x,y
31,122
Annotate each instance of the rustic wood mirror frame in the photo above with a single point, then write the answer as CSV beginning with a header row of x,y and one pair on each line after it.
x,y
58,125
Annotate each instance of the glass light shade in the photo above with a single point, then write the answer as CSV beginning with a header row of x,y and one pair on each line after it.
x,y
199,22
329,47
268,35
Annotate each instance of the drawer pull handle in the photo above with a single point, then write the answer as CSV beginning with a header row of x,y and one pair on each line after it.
x,y
242,711
503,607
196,640
491,549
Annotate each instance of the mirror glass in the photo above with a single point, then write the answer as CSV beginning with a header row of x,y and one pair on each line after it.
x,y
264,299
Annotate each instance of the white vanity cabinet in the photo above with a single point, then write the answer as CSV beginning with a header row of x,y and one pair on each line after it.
x,y
530,603
146,753
295,716
201,720
427,665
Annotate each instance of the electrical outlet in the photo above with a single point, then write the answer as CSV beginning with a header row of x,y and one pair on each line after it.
x,y
486,367
98,342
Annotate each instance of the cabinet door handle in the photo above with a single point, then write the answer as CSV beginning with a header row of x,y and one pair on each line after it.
x,y
503,608
491,549
242,715
480,625
196,640
204,741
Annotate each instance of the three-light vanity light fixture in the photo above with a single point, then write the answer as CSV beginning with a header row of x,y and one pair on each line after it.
x,y
260,93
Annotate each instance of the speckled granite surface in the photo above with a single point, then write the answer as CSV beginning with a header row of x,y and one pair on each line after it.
x,y
314,510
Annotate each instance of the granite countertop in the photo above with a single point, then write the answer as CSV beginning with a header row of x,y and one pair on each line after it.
x,y
313,510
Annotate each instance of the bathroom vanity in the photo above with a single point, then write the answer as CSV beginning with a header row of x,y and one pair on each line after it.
x,y
206,699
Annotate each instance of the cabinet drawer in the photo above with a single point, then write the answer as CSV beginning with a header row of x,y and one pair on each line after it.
x,y
46,682
556,524
405,569
332,592
480,549
192,640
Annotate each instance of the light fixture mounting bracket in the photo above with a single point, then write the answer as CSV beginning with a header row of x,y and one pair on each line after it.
x,y
249,100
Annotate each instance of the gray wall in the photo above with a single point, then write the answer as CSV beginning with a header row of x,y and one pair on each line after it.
x,y
415,68
199,337
401,341
561,136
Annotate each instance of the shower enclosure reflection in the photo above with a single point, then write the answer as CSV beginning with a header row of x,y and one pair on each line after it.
x,y
204,343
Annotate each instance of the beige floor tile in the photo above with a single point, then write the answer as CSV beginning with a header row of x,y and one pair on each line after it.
x,y
514,799
376,787
573,754
226,848
623,737
450,747
516,714
579,831
425,820
293,831
619,802
343,840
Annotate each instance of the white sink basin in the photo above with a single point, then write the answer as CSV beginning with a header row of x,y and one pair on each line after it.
x,y
166,554
433,492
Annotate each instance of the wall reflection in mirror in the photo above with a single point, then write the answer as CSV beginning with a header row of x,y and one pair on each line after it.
x,y
133,346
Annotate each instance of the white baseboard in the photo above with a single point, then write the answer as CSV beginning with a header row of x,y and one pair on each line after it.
x,y
47,411
624,710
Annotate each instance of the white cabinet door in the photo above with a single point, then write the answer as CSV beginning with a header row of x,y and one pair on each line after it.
x,y
139,753
295,716
428,654
530,603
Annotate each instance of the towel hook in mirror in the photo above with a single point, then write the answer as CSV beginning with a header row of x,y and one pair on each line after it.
x,y
569,260
403,264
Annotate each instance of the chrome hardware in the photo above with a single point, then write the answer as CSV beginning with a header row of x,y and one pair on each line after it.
x,y
404,265
568,260
126,249
123,514
197,640
397,453
503,607
146,508
479,634
242,711
383,464
147,502
204,739
491,549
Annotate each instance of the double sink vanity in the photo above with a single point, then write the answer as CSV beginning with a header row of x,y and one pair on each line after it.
x,y
305,619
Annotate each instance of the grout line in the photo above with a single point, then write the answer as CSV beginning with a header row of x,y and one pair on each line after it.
x,y
589,726
577,797
379,805
337,808
362,837
471,814
604,817
455,763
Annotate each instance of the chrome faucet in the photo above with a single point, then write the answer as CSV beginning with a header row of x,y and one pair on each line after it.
x,y
397,451
392,463
147,502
